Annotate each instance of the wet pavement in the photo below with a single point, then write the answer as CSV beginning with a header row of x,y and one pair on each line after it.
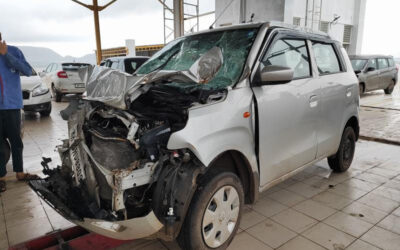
x,y
315,209
380,116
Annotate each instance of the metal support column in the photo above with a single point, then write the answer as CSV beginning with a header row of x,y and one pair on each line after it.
x,y
178,18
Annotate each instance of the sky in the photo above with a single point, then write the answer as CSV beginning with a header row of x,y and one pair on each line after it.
x,y
68,28
381,32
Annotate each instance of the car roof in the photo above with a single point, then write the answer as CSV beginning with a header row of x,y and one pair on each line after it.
x,y
369,56
271,25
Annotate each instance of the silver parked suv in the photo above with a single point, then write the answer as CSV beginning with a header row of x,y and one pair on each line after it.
x,y
205,125
375,72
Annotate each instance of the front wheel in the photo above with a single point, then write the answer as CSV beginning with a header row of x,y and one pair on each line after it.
x,y
47,111
214,214
342,160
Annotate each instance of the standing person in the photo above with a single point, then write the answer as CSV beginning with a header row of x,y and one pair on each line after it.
x,y
12,64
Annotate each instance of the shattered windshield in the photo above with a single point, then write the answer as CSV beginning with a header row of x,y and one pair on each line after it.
x,y
182,53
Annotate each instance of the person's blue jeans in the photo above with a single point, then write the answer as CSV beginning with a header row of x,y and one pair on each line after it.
x,y
10,128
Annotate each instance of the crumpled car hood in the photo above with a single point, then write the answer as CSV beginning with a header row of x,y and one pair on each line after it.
x,y
114,87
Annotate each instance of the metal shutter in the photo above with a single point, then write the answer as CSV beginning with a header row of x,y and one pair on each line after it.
x,y
324,26
347,34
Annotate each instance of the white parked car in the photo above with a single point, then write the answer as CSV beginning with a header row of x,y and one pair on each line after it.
x,y
63,78
36,95
125,64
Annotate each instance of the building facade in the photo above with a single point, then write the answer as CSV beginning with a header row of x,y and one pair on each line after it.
x,y
342,19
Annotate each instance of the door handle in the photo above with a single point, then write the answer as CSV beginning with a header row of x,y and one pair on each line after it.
x,y
313,101
348,92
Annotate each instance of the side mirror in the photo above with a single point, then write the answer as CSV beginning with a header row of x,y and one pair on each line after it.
x,y
275,75
42,73
370,69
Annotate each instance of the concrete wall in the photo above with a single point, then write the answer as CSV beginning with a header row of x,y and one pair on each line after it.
x,y
264,10
351,12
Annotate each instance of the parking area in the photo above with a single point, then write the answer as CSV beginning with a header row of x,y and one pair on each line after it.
x,y
316,209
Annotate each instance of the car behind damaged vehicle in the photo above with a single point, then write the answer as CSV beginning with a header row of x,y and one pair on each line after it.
x,y
178,148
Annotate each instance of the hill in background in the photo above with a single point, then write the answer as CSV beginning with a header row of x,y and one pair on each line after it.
x,y
40,57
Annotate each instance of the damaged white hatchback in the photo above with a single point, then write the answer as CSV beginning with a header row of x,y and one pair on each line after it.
x,y
207,123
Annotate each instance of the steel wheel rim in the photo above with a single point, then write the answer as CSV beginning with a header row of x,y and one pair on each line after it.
x,y
220,216
348,151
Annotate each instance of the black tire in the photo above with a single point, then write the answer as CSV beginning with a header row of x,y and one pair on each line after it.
x,y
390,88
361,88
47,111
191,235
342,160
57,95
7,151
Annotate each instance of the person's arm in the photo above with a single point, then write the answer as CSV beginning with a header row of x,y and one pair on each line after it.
x,y
18,62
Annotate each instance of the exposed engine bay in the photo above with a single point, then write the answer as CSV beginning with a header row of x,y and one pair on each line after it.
x,y
113,159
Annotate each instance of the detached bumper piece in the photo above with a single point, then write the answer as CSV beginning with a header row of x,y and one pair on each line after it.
x,y
74,206
39,186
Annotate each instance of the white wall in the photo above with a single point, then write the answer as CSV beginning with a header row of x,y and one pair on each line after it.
x,y
230,16
270,10
351,12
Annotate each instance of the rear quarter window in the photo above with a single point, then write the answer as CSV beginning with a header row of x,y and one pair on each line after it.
x,y
326,58
391,62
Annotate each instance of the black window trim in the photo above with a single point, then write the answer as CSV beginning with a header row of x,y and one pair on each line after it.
x,y
342,68
289,37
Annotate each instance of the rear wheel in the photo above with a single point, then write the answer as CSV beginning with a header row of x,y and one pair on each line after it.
x,y
57,94
214,214
342,160
389,89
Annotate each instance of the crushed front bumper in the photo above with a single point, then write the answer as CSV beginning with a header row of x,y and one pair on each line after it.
x,y
136,228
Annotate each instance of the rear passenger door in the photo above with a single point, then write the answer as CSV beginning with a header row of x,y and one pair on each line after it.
x,y
336,93
372,77
288,112
385,78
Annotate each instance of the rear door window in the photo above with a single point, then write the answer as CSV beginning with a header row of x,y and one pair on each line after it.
x,y
326,58
290,53
382,63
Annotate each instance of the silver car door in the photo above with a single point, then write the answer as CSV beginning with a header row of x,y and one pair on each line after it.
x,y
288,112
384,73
336,91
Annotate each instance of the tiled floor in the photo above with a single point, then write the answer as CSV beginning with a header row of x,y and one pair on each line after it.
x,y
316,209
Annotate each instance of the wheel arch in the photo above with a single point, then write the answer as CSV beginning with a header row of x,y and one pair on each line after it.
x,y
236,162
353,122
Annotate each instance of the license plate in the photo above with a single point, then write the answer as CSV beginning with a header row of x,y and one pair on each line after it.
x,y
79,85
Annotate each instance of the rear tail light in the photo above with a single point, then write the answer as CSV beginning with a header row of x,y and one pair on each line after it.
x,y
397,67
62,74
